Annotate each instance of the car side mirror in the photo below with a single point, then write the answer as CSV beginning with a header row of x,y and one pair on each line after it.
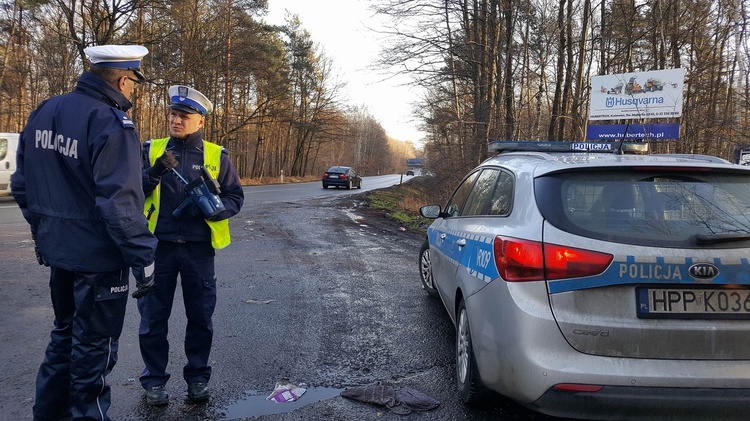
x,y
430,211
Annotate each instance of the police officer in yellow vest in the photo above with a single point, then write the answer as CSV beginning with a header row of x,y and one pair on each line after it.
x,y
186,244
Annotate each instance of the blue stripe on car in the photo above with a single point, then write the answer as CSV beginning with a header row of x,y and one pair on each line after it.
x,y
657,271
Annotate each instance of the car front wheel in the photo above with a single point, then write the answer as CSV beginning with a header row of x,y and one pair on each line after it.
x,y
425,270
467,373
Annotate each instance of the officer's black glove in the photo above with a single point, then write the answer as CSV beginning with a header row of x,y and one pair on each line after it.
x,y
164,163
218,217
39,257
144,280
194,211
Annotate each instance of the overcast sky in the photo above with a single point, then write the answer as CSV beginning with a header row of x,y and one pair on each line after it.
x,y
340,27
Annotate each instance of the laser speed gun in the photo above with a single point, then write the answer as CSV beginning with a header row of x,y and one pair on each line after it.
x,y
203,192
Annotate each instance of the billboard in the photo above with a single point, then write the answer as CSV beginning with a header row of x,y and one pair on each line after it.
x,y
634,132
652,94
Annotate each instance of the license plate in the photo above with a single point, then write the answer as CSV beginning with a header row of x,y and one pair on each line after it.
x,y
333,176
693,303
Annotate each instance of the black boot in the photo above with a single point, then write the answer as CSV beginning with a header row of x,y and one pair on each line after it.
x,y
198,392
157,396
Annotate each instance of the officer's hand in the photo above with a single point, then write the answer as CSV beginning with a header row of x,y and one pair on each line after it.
x,y
39,257
192,211
217,217
164,163
144,280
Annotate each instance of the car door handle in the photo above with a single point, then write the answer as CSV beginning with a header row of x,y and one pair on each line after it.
x,y
461,242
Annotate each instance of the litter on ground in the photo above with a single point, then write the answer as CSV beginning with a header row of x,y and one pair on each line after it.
x,y
286,392
400,400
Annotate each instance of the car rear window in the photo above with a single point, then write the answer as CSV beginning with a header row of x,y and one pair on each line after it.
x,y
667,208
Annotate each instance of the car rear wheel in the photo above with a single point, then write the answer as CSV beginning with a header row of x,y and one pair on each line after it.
x,y
425,270
325,186
467,373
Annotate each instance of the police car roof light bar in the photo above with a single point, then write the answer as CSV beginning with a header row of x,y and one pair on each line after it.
x,y
502,146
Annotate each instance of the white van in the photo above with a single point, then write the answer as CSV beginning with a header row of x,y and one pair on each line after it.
x,y
8,147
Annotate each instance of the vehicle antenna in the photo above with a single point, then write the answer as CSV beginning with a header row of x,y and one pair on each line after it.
x,y
629,91
618,149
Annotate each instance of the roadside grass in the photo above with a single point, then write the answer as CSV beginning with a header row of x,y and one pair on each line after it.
x,y
261,181
401,202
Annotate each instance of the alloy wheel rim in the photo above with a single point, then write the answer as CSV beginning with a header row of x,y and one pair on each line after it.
x,y
426,270
462,347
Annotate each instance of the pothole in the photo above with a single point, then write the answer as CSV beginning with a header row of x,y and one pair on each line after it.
x,y
257,404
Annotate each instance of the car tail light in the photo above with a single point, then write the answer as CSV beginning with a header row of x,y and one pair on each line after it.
x,y
523,260
344,176
325,175
519,260
562,262
574,387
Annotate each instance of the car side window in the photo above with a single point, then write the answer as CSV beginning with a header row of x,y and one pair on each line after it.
x,y
457,201
502,197
478,199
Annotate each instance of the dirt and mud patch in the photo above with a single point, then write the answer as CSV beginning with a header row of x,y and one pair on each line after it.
x,y
394,210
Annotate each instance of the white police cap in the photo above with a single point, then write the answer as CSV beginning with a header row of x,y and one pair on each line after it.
x,y
189,100
126,57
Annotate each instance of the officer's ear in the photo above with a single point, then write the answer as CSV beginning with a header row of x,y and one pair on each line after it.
x,y
121,83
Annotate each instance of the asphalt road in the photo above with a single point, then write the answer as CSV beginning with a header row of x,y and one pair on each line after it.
x,y
310,290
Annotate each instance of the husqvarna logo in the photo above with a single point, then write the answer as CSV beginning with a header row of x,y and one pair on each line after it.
x,y
703,271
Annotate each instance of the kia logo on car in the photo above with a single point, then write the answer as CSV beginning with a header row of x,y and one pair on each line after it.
x,y
703,271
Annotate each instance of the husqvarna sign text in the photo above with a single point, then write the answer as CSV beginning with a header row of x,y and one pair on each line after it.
x,y
653,94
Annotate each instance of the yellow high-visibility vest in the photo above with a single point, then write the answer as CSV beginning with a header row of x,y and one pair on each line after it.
x,y
220,236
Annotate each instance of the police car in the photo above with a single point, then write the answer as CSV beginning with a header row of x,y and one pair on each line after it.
x,y
597,281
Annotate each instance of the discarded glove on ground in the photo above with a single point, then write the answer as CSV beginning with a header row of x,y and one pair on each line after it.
x,y
400,400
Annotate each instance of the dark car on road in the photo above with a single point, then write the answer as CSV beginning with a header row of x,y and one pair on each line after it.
x,y
342,176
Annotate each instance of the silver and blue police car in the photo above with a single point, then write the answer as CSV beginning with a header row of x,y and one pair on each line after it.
x,y
597,281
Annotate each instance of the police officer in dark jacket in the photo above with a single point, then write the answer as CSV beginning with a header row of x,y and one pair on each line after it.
x,y
78,184
187,242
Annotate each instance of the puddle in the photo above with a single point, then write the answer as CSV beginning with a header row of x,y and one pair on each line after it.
x,y
255,406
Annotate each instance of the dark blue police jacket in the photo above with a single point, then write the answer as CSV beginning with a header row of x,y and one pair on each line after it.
x,y
191,226
78,181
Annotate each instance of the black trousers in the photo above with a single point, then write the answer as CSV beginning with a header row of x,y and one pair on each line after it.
x,y
194,263
89,313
